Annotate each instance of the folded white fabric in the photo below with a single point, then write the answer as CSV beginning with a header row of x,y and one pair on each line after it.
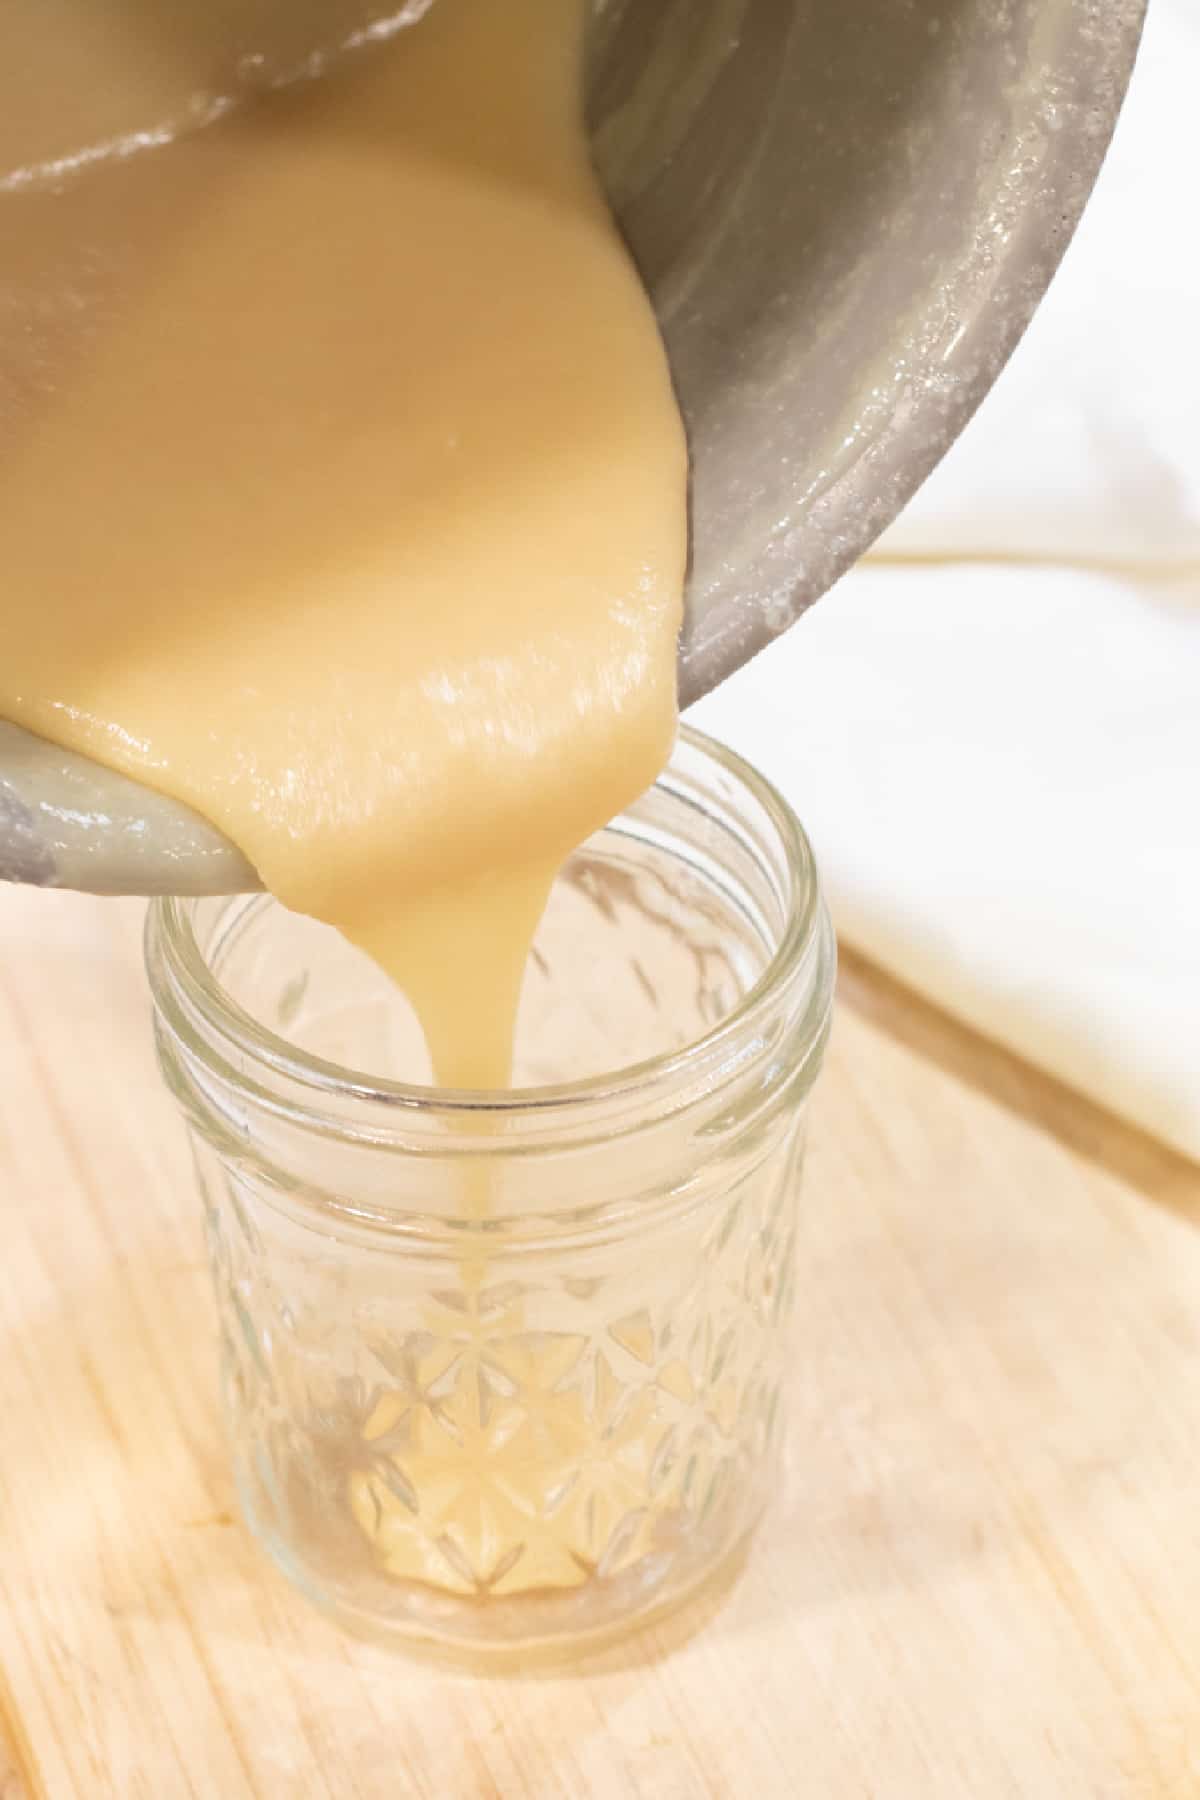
x,y
1001,773
999,760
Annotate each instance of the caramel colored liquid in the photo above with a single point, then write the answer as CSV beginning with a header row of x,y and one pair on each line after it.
x,y
353,510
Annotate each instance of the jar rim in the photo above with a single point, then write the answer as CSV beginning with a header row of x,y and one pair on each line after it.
x,y
179,970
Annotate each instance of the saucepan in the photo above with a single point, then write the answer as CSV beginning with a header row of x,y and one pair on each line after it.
x,y
846,212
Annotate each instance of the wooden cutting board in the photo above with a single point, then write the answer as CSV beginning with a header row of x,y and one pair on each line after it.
x,y
981,1577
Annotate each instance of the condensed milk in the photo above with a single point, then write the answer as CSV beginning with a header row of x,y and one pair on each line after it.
x,y
356,519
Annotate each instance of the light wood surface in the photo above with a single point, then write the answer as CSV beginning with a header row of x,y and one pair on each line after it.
x,y
981,1579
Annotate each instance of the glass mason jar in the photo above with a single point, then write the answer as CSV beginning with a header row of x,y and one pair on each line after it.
x,y
504,1371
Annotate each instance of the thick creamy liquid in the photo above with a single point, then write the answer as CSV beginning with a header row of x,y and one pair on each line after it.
x,y
356,517
342,496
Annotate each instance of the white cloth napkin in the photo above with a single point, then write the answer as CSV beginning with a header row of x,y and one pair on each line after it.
x,y
992,729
